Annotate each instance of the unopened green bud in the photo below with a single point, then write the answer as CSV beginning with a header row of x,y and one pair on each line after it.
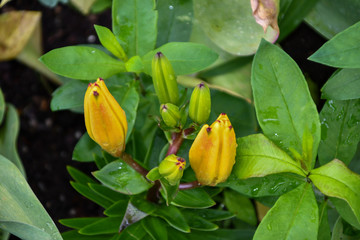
x,y
200,104
170,114
164,79
172,168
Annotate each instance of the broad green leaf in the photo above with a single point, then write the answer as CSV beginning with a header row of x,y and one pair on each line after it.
x,y
231,25
335,180
175,21
185,57
154,174
193,198
133,232
135,64
134,23
294,216
340,130
345,211
220,234
344,85
87,192
198,223
143,205
257,156
118,209
21,213
78,223
79,176
155,227
2,106
324,228
168,191
108,40
173,217
241,206
106,192
330,17
342,51
269,185
213,214
85,149
292,12
120,177
283,104
74,235
9,130
84,63
102,226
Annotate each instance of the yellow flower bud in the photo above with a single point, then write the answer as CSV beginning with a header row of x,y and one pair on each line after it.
x,y
172,168
212,155
200,104
105,120
164,79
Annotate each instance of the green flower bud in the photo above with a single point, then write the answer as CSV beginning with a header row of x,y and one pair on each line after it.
x,y
170,114
200,104
172,168
164,79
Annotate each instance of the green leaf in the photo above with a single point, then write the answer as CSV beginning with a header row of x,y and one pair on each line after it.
x,y
133,232
78,223
102,226
324,228
330,17
292,12
84,63
85,149
118,209
241,206
87,192
154,174
79,176
108,40
4,235
198,223
212,214
135,65
193,198
106,192
342,51
100,6
283,104
335,180
344,85
120,177
340,130
155,227
21,213
258,157
74,235
345,211
175,21
185,57
143,205
228,234
9,131
173,217
2,106
168,191
294,216
231,25
337,232
135,25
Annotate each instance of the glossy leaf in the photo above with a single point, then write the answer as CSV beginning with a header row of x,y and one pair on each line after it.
x,y
102,226
342,51
241,206
228,234
344,85
294,216
173,217
21,213
78,223
74,235
120,177
175,21
340,130
84,63
198,223
231,25
345,211
335,180
185,57
155,227
87,192
135,25
118,209
193,198
258,157
9,131
169,191
2,106
330,17
324,228
213,214
291,111
106,192
79,176
133,232
85,149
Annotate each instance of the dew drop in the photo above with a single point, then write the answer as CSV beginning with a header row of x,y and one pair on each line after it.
x,y
171,7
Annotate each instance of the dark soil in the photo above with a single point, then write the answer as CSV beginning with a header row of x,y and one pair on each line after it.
x,y
47,139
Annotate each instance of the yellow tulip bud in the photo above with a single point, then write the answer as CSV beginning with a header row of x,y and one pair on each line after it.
x,y
212,155
172,168
105,120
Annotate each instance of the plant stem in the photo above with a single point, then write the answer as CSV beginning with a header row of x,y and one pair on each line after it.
x,y
177,140
132,163
189,185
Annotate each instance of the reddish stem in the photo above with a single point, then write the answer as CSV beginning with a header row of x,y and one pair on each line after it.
x,y
189,185
176,141
132,163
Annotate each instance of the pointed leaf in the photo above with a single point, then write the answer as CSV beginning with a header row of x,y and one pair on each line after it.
x,y
283,104
213,214
335,180
85,149
108,40
118,209
106,192
155,227
340,130
294,216
79,176
342,51
324,228
193,198
198,223
168,191
87,192
173,217
78,223
74,235
135,25
241,206
102,226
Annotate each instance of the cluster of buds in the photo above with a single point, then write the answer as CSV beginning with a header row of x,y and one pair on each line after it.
x,y
172,168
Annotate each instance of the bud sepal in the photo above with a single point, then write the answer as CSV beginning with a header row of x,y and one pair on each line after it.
x,y
172,168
